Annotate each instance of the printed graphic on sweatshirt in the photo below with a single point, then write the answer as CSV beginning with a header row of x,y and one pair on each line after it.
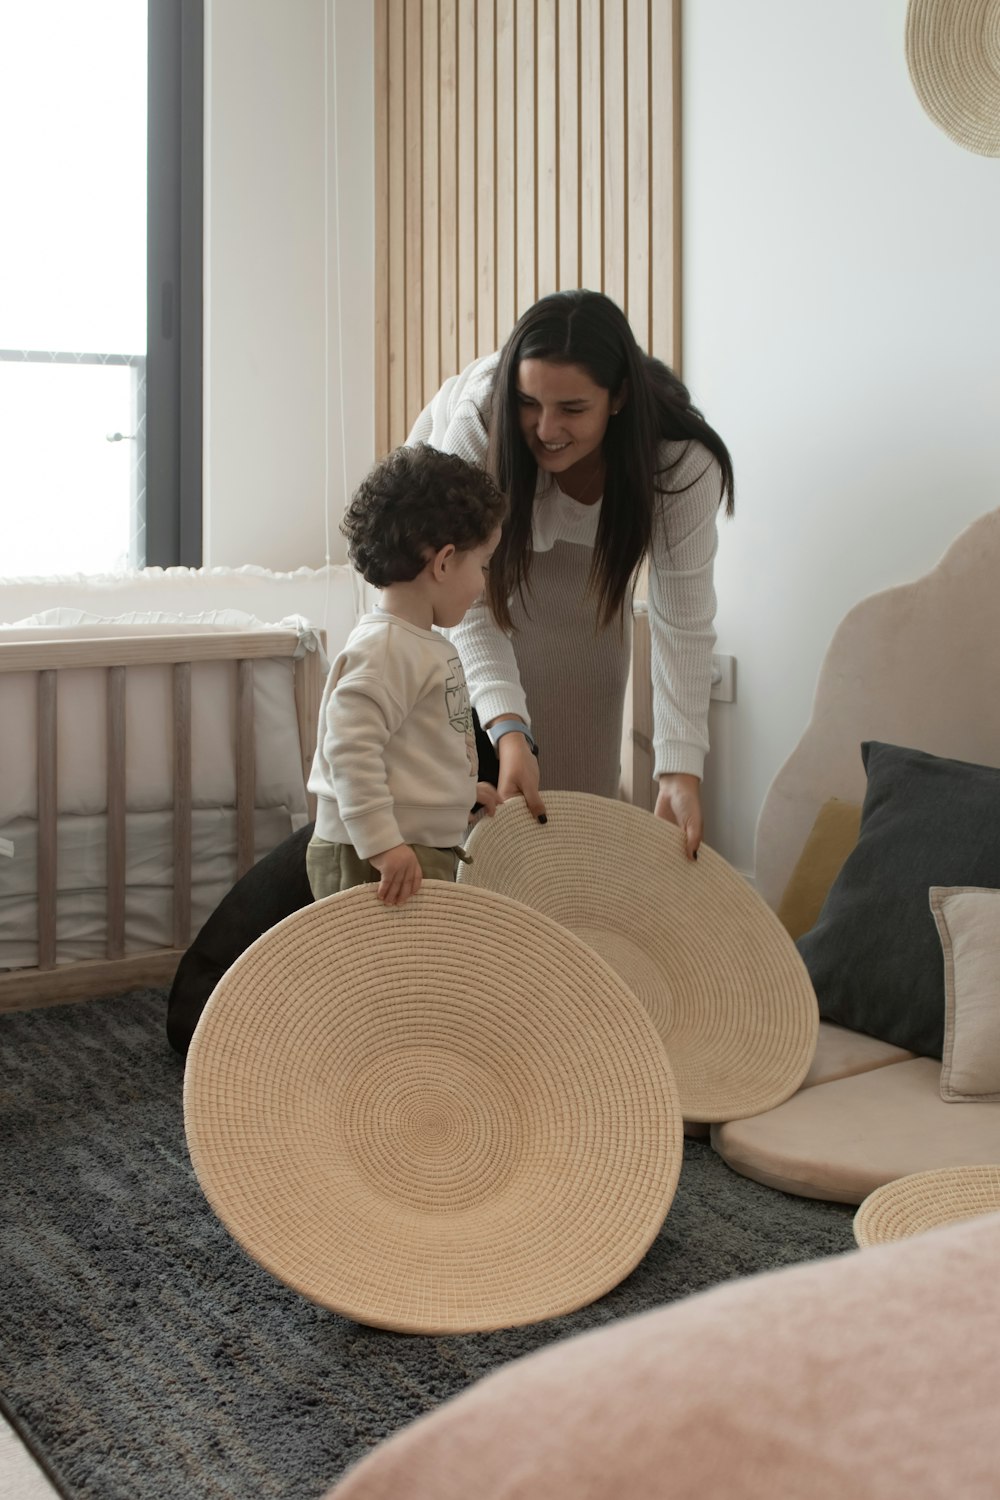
x,y
459,708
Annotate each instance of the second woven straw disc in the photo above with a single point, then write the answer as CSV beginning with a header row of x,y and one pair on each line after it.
x,y
927,1200
437,1118
711,963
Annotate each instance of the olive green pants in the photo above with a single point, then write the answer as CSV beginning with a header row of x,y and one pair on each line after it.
x,y
336,867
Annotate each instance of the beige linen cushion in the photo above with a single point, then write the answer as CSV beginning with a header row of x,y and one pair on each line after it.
x,y
831,839
842,1140
968,923
841,1053
845,1377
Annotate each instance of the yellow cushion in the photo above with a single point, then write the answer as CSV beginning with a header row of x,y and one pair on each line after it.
x,y
833,836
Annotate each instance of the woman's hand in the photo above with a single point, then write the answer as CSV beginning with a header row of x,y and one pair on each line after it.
x,y
679,802
519,773
401,874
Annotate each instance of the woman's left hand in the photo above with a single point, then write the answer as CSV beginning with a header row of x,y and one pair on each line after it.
x,y
679,801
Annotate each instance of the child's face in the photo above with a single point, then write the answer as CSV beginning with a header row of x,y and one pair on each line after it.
x,y
463,580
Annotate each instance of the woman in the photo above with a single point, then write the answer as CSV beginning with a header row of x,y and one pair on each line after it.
x,y
606,464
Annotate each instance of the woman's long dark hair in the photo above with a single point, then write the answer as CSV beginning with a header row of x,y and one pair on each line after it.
x,y
588,329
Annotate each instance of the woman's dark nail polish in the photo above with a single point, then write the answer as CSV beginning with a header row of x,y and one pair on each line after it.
x,y
542,818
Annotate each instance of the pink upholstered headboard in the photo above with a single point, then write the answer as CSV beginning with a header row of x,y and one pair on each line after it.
x,y
917,665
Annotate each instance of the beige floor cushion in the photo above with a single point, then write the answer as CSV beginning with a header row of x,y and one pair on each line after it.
x,y
841,1053
845,1379
841,1140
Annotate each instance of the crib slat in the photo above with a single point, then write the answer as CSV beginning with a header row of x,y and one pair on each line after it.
x,y
308,692
116,812
182,804
245,768
47,811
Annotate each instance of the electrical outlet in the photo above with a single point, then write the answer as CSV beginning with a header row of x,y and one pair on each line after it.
x,y
724,679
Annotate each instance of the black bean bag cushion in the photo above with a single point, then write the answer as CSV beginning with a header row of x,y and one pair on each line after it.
x,y
275,887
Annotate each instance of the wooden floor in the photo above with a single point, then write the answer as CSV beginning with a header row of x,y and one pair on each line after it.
x,y
20,1476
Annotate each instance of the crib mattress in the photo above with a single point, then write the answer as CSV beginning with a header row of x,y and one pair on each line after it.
x,y
81,906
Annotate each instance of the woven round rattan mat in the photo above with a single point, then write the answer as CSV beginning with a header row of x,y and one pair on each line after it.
x,y
953,54
926,1200
709,960
443,1117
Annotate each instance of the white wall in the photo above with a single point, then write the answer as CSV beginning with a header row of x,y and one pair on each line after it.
x,y
841,330
274,460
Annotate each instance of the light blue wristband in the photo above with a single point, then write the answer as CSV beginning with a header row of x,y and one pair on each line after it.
x,y
497,730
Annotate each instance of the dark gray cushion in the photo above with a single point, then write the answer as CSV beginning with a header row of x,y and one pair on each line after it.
x,y
874,956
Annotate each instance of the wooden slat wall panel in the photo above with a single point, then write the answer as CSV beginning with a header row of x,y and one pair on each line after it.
x,y
448,192
665,180
381,24
525,181
486,219
614,109
506,147
413,204
468,275
546,164
568,143
591,164
637,207
431,215
521,146
398,311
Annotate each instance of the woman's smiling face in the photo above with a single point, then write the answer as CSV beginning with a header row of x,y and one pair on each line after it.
x,y
563,413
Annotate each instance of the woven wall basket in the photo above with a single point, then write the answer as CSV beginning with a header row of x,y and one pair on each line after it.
x,y
927,1200
953,54
708,959
444,1117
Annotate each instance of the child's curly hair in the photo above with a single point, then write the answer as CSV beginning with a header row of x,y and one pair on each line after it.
x,y
416,501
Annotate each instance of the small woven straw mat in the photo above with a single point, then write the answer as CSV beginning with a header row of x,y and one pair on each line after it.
x,y
926,1200
444,1117
953,54
709,960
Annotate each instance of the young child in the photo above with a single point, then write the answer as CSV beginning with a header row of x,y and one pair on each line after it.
x,y
395,769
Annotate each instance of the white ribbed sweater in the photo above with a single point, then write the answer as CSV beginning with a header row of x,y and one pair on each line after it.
x,y
561,670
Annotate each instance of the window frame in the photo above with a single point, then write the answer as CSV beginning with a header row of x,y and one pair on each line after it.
x,y
174,283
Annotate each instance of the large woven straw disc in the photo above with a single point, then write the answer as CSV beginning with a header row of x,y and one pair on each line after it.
x,y
443,1117
926,1200
711,963
953,54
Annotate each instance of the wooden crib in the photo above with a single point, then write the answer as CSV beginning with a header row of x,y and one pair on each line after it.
x,y
116,656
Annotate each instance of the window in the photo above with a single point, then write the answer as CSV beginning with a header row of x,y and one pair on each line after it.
x,y
100,416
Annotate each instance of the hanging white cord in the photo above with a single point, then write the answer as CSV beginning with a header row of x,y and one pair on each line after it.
x,y
330,10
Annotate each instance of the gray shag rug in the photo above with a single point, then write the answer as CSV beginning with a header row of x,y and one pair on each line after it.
x,y
143,1355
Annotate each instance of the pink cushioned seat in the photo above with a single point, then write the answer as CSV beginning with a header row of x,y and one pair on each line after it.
x,y
868,1376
